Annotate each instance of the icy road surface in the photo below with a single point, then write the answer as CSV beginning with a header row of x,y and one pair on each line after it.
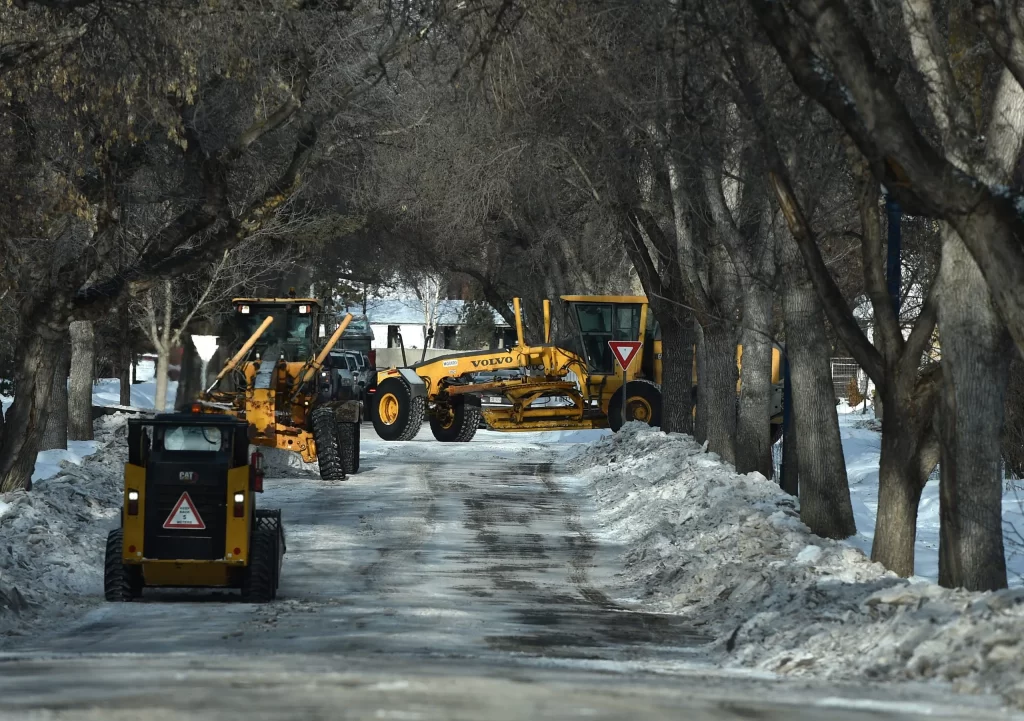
x,y
457,581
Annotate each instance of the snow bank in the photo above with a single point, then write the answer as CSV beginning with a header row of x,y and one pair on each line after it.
x,y
730,552
52,539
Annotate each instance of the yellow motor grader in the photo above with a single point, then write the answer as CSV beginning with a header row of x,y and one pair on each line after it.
x,y
580,370
278,382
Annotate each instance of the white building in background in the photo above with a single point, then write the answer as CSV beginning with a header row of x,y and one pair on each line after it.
x,y
390,316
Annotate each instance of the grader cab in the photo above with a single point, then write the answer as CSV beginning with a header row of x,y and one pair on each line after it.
x,y
579,370
278,382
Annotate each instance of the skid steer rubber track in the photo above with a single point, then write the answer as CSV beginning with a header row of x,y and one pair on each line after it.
x,y
325,434
259,582
348,445
120,582
398,414
463,424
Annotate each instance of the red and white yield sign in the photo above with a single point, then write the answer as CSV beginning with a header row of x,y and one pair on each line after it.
x,y
624,351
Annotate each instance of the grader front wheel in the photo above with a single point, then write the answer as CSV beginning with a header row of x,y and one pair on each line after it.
x,y
398,414
328,452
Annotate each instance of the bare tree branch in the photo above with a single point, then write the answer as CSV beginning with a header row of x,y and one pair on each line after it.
x,y
1004,33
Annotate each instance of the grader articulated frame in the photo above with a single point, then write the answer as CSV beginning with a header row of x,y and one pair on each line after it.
x,y
288,398
579,370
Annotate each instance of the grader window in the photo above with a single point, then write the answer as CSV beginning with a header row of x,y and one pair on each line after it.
x,y
602,322
291,333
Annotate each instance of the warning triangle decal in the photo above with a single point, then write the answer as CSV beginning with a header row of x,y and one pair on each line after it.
x,y
184,515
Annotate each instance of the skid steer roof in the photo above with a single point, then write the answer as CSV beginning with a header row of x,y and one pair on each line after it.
x,y
604,298
230,440
185,419
275,301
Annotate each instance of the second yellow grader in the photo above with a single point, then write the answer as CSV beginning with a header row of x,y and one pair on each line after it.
x,y
580,370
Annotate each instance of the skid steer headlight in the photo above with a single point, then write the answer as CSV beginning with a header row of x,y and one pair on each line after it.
x,y
239,510
133,503
239,498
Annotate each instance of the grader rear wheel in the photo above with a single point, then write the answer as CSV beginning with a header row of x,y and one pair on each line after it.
x,y
643,403
457,423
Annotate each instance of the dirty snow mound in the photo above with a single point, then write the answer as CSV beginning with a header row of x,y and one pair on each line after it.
x,y
280,463
52,539
730,552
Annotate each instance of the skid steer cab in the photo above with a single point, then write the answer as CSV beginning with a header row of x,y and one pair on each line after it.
x,y
189,516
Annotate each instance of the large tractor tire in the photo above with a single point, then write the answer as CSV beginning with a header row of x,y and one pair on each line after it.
x,y
328,453
270,520
348,444
460,424
259,580
397,415
120,581
643,403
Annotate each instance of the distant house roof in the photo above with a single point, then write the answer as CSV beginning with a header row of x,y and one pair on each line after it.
x,y
409,311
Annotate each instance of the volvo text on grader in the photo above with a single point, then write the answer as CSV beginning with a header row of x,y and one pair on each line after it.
x,y
579,369
277,382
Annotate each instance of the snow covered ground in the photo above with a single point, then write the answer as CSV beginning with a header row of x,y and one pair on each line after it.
x,y
729,553
726,552
50,536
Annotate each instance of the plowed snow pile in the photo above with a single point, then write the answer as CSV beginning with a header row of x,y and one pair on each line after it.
x,y
731,553
52,539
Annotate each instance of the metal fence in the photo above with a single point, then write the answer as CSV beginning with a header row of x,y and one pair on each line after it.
x,y
843,369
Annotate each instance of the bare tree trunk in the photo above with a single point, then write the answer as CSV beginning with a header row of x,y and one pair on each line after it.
x,y
83,357
126,357
717,381
55,432
162,363
976,352
190,381
825,504
790,473
904,466
677,372
700,420
753,430
38,356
